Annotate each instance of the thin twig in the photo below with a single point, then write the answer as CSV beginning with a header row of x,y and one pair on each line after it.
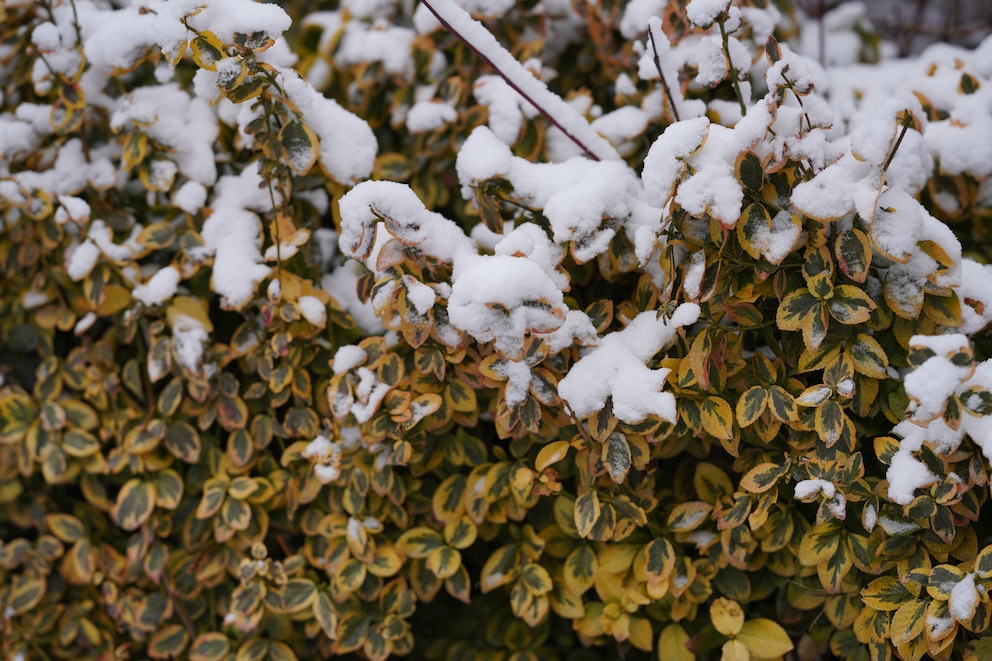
x,y
732,69
661,74
509,81
902,134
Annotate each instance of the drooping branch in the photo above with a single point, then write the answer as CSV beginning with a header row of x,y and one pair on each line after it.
x,y
563,116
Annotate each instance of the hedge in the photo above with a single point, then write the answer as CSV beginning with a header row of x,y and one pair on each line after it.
x,y
591,330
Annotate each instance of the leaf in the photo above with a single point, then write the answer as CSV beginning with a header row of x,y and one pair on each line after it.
x,y
80,443
247,91
688,516
717,417
550,454
751,405
296,595
499,569
616,457
765,639
135,150
444,561
819,544
885,594
829,422
210,647
324,613
734,650
853,252
207,50
168,489
461,533
580,569
157,235
587,512
750,173
726,616
763,477
908,621
301,145
183,441
850,305
168,642
65,526
459,585
24,594
449,498
673,644
135,504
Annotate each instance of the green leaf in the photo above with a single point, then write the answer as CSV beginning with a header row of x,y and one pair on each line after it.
x,y
207,50
168,489
580,569
419,542
65,526
326,616
763,477
850,305
168,642
829,422
296,595
689,516
853,252
444,561
751,405
908,621
749,172
247,91
183,441
885,594
717,417
301,145
587,512
211,646
500,568
135,504
24,594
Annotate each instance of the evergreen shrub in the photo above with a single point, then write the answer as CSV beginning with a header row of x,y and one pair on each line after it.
x,y
318,340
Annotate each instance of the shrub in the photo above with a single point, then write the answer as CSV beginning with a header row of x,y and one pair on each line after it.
x,y
322,340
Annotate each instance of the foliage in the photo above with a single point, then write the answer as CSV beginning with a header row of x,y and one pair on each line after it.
x,y
538,405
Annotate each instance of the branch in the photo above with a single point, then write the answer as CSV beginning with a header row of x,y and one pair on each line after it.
x,y
654,25
475,35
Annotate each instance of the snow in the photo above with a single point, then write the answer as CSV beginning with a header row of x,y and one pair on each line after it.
x,y
702,13
189,338
473,32
313,310
616,368
347,358
429,115
501,298
806,489
159,288
964,599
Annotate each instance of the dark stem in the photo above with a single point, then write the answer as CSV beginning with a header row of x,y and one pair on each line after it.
x,y
902,134
510,82
661,74
732,69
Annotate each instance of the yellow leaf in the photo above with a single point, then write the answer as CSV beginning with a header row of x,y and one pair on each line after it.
x,y
207,50
734,650
764,639
550,454
672,644
188,306
727,616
